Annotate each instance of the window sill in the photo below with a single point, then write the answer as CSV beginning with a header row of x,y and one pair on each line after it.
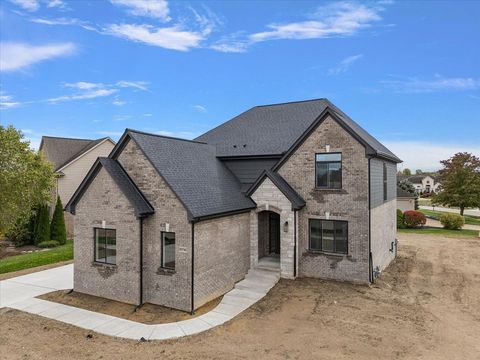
x,y
105,265
164,271
329,190
326,253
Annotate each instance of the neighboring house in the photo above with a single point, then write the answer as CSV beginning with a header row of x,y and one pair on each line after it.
x,y
424,183
298,186
71,159
405,200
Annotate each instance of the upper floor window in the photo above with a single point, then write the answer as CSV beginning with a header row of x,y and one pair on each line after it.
x,y
329,236
168,250
385,182
328,171
105,245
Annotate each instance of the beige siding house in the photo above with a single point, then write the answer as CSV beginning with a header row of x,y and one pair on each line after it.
x,y
71,159
298,188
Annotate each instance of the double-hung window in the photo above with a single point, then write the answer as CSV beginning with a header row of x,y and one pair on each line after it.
x,y
105,245
168,250
329,236
328,171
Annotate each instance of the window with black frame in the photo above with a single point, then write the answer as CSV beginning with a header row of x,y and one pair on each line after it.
x,y
329,236
105,245
328,171
168,250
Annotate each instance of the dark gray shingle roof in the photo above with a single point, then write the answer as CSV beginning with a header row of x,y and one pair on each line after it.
x,y
202,182
404,193
274,129
125,183
296,200
60,151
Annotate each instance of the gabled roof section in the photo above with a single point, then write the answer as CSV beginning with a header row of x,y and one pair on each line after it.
x,y
125,183
203,184
401,193
275,129
60,151
296,200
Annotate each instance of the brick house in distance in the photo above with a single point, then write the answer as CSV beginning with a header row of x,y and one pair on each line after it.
x,y
298,187
71,159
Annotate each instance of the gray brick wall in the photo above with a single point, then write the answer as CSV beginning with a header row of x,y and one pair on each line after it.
x,y
350,203
161,287
104,201
222,255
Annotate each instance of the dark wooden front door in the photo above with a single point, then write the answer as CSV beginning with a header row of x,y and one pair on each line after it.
x,y
274,233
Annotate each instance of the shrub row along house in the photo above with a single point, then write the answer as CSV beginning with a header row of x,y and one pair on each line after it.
x,y
174,222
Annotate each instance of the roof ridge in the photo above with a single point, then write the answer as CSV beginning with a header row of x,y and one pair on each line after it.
x,y
164,136
292,102
68,138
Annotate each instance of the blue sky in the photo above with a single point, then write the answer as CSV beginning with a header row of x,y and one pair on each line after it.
x,y
408,72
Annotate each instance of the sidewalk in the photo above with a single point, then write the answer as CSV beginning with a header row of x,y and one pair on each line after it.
x,y
20,293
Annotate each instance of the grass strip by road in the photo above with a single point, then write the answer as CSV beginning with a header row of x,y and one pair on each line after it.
x,y
30,260
469,219
439,231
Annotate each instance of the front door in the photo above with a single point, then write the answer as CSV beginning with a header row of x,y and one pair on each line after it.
x,y
274,233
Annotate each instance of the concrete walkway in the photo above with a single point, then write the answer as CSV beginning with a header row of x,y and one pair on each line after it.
x,y
20,293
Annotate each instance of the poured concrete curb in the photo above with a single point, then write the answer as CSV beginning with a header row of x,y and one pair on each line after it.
x,y
20,294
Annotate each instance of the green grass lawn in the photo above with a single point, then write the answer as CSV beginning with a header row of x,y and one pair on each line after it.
x,y
439,231
424,202
469,219
30,260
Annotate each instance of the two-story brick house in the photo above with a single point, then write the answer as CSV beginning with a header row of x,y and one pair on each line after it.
x,y
174,222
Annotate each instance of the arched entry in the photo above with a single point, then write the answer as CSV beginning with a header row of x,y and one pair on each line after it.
x,y
268,237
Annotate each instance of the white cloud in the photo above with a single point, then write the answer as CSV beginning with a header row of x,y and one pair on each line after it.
x,y
344,65
427,155
200,108
437,84
118,102
90,94
337,19
147,115
7,102
55,3
140,85
28,5
83,85
168,37
150,8
16,56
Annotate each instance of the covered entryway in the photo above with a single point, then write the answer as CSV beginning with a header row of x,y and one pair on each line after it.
x,y
268,239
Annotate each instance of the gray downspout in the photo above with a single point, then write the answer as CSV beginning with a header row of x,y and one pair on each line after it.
x,y
370,257
140,303
294,243
193,270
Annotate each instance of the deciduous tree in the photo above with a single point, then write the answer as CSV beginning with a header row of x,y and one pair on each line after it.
x,y
25,179
460,182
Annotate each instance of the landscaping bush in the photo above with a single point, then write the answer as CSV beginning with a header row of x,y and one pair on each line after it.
x,y
400,219
414,219
48,244
42,229
58,231
452,221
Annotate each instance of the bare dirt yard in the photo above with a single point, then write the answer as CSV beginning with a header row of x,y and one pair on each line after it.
x,y
425,306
